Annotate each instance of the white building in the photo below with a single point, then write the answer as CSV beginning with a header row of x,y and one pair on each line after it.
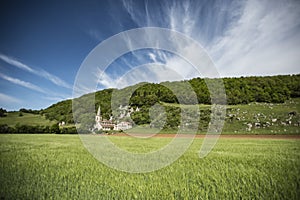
x,y
103,124
123,126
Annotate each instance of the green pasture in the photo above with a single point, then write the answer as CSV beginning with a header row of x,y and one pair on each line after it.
x,y
264,113
59,167
14,118
238,116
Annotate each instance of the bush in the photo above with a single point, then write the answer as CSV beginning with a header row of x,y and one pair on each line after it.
x,y
55,129
68,130
2,112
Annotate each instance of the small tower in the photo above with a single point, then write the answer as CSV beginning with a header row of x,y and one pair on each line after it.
x,y
98,116
98,120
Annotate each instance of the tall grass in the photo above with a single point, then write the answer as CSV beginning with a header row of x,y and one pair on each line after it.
x,y
59,167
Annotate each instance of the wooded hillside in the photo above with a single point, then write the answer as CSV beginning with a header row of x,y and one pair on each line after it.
x,y
243,90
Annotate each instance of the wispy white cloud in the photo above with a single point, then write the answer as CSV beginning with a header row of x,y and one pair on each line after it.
x,y
52,96
95,34
22,83
242,37
181,18
151,72
42,73
8,102
6,99
250,37
106,81
172,63
56,98
128,5
185,17
265,40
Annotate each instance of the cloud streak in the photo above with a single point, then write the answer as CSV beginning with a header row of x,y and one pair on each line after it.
x,y
179,16
42,73
265,40
8,102
243,38
4,99
22,83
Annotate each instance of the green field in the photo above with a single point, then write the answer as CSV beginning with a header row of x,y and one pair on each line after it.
x,y
14,118
59,167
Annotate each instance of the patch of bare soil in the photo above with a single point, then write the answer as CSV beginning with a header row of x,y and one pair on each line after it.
x,y
232,136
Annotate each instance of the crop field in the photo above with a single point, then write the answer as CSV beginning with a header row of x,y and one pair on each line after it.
x,y
59,167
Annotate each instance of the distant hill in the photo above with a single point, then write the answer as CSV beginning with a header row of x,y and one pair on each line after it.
x,y
253,103
244,90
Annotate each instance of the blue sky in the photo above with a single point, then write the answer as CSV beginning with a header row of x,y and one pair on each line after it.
x,y
43,43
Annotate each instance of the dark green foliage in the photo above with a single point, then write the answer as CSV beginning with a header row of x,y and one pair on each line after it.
x,y
2,112
270,89
61,111
54,129
173,117
4,128
274,89
68,130
141,117
150,93
40,129
23,110
103,99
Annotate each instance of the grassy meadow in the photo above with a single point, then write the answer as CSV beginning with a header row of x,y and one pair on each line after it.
x,y
59,167
270,118
14,118
238,116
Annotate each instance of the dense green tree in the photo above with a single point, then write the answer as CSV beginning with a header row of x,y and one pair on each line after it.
x,y
54,129
68,130
2,112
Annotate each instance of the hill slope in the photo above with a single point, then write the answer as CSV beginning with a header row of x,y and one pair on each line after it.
x,y
277,96
272,89
269,92
14,118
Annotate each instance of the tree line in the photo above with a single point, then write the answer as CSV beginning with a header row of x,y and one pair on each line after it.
x,y
23,128
243,90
